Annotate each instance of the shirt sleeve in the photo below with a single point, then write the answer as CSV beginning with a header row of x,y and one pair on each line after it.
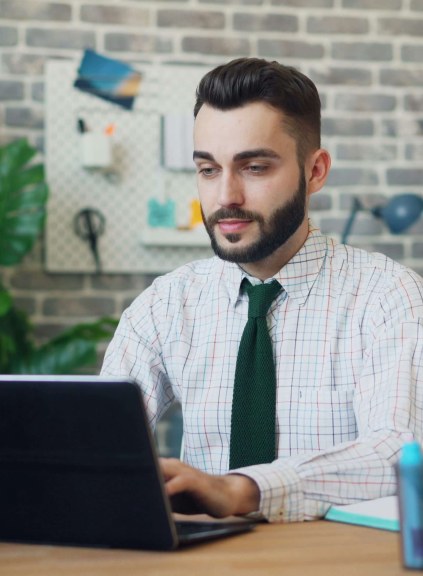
x,y
388,402
134,352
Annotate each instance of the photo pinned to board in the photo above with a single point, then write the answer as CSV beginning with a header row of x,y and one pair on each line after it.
x,y
110,79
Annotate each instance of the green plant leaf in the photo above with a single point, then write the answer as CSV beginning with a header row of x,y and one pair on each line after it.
x,y
103,329
15,338
5,301
57,358
18,202
23,198
68,352
31,175
15,155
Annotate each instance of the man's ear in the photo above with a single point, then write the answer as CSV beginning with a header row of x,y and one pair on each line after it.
x,y
317,169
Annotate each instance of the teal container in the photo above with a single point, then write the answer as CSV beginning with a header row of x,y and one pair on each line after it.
x,y
410,499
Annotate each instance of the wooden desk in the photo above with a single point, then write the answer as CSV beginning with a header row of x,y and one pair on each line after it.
x,y
317,548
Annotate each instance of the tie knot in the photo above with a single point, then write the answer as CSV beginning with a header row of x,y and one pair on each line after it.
x,y
260,297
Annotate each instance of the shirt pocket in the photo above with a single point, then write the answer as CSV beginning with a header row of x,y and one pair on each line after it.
x,y
317,420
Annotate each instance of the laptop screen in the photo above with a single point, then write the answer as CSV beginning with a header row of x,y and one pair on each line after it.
x,y
78,465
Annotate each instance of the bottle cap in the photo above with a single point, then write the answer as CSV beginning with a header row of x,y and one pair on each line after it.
x,y
411,453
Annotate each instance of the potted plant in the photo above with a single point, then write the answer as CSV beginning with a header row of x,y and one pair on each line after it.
x,y
23,204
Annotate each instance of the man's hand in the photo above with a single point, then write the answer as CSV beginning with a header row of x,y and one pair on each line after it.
x,y
194,492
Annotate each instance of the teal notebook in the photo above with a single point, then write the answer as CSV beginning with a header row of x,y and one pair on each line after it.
x,y
380,513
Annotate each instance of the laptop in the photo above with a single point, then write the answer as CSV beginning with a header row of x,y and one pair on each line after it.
x,y
78,466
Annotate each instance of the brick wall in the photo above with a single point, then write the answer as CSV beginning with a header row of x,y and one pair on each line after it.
x,y
364,55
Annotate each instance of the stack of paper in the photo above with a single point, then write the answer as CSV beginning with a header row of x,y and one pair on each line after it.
x,y
380,513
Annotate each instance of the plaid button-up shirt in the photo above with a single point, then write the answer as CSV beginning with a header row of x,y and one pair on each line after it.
x,y
347,331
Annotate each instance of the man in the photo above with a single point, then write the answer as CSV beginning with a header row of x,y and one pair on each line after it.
x,y
346,327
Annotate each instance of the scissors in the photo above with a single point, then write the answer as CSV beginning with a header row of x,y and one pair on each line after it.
x,y
89,225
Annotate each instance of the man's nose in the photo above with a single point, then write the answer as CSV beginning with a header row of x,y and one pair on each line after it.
x,y
231,190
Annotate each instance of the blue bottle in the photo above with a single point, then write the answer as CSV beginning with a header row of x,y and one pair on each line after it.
x,y
410,499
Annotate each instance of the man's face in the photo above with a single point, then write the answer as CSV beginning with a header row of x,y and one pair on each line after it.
x,y
252,191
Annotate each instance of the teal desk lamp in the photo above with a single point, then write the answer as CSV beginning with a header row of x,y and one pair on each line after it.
x,y
398,214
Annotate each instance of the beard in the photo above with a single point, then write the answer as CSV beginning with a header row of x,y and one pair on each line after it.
x,y
274,232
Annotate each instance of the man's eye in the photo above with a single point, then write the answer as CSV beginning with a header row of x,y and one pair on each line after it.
x,y
257,168
207,171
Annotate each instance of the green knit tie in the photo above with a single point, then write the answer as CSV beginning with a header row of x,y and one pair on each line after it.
x,y
254,398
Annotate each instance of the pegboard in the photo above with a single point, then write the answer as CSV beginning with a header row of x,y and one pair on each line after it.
x,y
128,243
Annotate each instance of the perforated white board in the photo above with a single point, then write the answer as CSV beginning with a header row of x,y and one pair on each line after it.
x,y
136,145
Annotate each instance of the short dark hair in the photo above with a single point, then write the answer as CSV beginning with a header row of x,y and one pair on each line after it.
x,y
246,80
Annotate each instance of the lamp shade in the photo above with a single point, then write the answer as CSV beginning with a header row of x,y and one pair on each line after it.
x,y
400,212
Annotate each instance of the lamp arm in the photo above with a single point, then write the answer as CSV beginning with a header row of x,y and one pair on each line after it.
x,y
356,206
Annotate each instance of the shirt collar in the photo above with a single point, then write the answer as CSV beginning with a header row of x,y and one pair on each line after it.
x,y
297,277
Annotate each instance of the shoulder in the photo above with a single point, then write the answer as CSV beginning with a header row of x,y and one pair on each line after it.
x,y
191,276
185,283
382,279
359,262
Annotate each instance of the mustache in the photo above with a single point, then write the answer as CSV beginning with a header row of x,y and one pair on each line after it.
x,y
234,213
